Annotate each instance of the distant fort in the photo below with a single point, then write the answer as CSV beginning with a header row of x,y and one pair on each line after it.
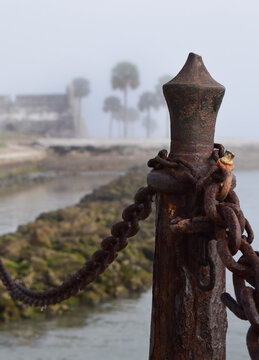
x,y
50,115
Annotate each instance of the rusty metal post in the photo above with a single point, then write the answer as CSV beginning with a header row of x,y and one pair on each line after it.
x,y
187,323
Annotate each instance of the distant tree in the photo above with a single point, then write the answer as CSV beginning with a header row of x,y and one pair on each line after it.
x,y
161,99
133,116
81,88
112,104
147,101
149,124
125,76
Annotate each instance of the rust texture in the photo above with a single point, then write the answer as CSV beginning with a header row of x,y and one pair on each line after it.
x,y
188,318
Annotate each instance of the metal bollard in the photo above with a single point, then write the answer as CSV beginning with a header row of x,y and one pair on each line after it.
x,y
188,321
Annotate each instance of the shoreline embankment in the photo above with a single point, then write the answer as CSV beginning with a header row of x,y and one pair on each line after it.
x,y
32,159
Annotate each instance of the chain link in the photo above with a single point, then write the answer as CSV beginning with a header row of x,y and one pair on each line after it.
x,y
221,216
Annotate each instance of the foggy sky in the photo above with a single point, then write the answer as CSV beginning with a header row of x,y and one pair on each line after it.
x,y
46,43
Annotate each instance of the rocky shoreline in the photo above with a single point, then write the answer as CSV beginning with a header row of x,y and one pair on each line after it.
x,y
43,253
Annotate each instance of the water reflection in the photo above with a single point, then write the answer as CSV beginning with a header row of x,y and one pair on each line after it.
x,y
21,205
114,330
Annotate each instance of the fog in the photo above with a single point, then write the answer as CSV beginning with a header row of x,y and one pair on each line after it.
x,y
47,43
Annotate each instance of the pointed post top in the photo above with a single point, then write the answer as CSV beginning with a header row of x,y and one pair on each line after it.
x,y
193,98
195,73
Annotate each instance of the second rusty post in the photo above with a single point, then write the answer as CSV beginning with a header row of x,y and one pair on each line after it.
x,y
187,322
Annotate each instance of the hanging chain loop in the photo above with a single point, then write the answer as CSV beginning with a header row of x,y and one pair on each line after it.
x,y
96,265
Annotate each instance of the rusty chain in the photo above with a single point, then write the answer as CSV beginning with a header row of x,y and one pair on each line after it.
x,y
217,215
96,265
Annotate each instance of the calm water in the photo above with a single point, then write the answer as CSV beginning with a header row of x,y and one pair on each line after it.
x,y
113,331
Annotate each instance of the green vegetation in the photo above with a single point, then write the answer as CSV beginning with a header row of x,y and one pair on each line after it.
x,y
19,174
20,171
43,253
2,141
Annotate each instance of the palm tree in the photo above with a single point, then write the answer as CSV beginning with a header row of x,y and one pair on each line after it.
x,y
133,116
81,88
125,76
150,125
112,104
160,97
147,101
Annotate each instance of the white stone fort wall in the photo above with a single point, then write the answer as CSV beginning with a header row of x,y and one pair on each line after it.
x,y
41,114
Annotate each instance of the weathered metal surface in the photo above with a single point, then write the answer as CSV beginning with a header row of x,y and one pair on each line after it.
x,y
187,322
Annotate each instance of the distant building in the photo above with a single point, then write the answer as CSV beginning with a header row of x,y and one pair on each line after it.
x,y
50,115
